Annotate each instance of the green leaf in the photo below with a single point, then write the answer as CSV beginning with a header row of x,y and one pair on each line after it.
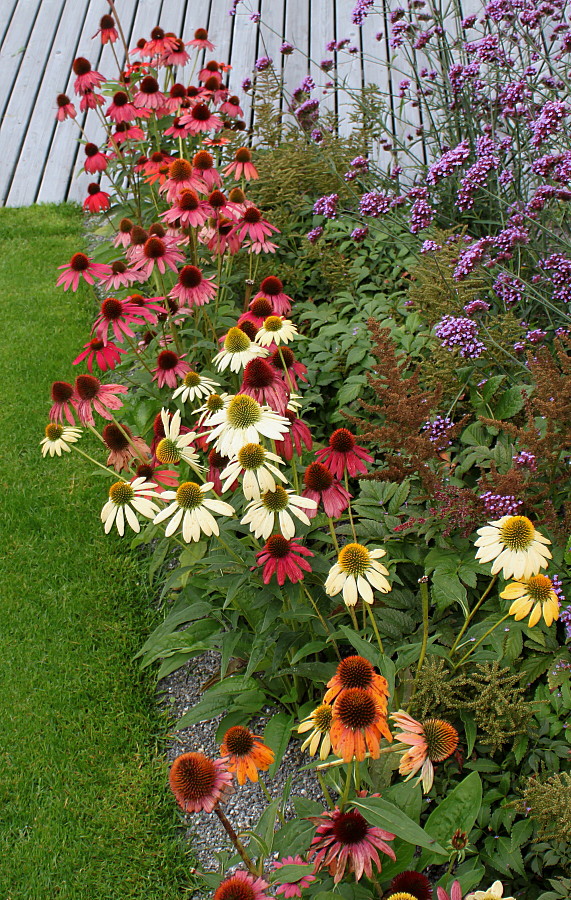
x,y
383,814
295,837
510,403
363,647
448,589
291,873
458,809
470,730
398,498
491,386
277,734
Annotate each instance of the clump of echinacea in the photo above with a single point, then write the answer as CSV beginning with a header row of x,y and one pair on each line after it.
x,y
192,510
58,438
125,499
513,545
534,596
356,572
431,741
199,783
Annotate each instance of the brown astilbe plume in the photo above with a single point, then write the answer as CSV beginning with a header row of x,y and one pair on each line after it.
x,y
402,411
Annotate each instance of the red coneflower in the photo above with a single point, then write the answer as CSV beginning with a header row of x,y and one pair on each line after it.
x,y
160,43
120,276
320,485
217,462
232,108
200,40
164,478
125,133
246,753
414,883
359,722
149,96
199,783
272,288
105,355
122,110
242,167
119,314
259,310
253,225
87,78
344,454
123,446
188,209
290,368
357,672
346,839
89,392
63,402
65,108
215,141
176,129
170,366
157,252
282,558
95,161
123,237
192,288
90,100
201,118
176,95
96,200
80,266
242,886
176,56
107,30
298,434
262,382
203,163
220,235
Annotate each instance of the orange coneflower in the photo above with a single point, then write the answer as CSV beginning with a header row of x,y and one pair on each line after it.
x,y
433,740
359,722
357,672
199,783
246,753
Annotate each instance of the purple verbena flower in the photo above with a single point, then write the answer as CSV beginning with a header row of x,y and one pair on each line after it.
x,y
525,460
287,48
449,161
263,63
326,206
548,121
438,431
498,505
475,306
314,235
421,215
359,234
374,204
429,246
361,11
460,333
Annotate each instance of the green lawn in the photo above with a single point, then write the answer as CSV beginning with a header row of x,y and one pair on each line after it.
x,y
84,811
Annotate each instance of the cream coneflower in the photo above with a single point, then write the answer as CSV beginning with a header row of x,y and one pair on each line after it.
x,y
514,546
355,571
174,446
241,886
199,783
319,724
359,722
345,839
533,595
413,884
247,754
271,512
256,464
214,403
496,892
276,330
126,498
357,672
238,350
194,387
242,421
59,437
191,509
433,740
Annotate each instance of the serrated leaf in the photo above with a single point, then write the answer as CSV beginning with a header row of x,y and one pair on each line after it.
x,y
509,403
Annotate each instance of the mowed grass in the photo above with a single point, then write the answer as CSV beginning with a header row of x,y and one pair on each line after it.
x,y
84,812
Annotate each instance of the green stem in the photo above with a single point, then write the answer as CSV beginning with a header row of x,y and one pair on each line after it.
x,y
472,614
346,789
394,748
353,617
269,797
483,638
333,535
349,508
94,461
322,620
375,627
236,841
425,609
326,794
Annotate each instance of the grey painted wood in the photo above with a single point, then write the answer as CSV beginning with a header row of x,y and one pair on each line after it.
x,y
349,65
7,12
321,32
297,33
244,52
12,52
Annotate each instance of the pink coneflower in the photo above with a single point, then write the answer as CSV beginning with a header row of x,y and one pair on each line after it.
x,y
170,366
241,886
216,463
253,225
63,402
176,56
232,108
107,30
204,168
91,100
219,204
122,110
120,276
188,209
95,160
149,96
199,783
161,42
65,108
433,740
176,95
216,141
209,69
201,118
96,200
290,369
80,266
119,314
273,290
258,310
89,392
138,48
320,485
164,478
242,167
292,888
181,177
219,236
157,252
124,132
344,454
177,130
282,558
262,382
154,163
192,288
87,78
346,839
105,355
123,446
455,892
200,40
298,434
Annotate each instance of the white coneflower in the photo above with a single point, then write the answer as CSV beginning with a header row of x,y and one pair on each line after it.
x,y
354,572
174,447
58,438
261,515
214,403
126,498
194,387
259,474
514,546
191,509
276,330
242,421
238,350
